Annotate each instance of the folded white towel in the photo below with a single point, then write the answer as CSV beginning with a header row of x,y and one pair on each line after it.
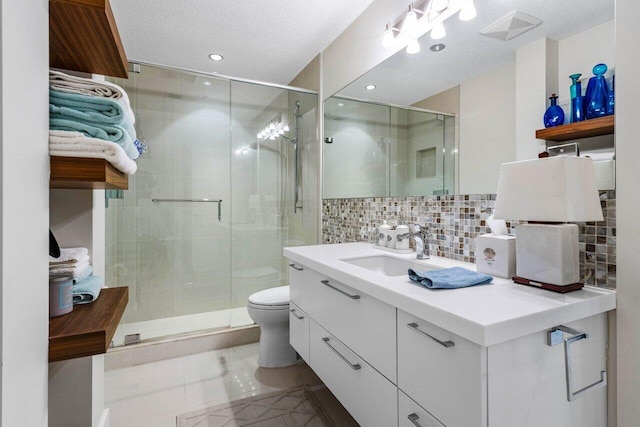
x,y
68,254
76,144
75,271
69,263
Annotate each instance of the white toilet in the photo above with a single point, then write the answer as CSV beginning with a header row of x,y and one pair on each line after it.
x,y
270,310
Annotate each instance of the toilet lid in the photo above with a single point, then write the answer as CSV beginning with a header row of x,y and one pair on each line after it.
x,y
271,297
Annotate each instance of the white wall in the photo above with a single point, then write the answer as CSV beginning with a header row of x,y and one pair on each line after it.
x,y
628,206
487,128
25,211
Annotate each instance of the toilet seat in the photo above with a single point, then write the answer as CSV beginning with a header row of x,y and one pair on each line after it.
x,y
271,299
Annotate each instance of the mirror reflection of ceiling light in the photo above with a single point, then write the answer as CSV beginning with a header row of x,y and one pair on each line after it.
x,y
216,57
416,22
370,87
272,131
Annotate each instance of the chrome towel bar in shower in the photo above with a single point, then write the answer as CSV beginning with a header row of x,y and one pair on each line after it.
x,y
218,201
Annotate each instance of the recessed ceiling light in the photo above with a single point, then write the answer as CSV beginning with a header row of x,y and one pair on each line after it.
x,y
370,87
215,57
437,47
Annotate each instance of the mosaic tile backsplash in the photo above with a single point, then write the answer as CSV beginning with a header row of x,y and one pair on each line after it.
x,y
454,223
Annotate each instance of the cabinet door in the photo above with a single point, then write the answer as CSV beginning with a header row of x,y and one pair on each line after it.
x,y
410,414
368,396
442,372
299,331
365,324
528,386
299,285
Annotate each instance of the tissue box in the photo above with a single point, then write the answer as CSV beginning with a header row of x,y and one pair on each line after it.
x,y
496,255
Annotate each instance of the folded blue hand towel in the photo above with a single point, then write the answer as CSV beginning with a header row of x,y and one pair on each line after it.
x,y
113,133
87,290
449,278
92,108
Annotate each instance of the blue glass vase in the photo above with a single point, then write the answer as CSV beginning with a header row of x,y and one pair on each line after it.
x,y
554,115
611,98
597,106
577,106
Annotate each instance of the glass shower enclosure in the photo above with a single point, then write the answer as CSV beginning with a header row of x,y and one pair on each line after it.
x,y
205,218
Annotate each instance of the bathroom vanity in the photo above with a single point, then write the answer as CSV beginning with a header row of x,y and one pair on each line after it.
x,y
398,354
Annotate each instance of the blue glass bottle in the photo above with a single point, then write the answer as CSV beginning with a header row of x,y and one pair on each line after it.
x,y
554,115
577,107
611,98
597,106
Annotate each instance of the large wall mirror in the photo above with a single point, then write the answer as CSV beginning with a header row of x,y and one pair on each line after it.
x,y
441,121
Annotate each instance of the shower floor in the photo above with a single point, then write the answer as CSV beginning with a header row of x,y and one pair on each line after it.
x,y
179,325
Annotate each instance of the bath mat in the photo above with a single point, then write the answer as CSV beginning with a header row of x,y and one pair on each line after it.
x,y
294,407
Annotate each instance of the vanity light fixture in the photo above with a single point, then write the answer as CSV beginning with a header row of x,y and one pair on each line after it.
x,y
273,130
427,16
372,87
216,57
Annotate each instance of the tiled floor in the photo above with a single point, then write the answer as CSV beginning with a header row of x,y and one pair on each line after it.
x,y
153,394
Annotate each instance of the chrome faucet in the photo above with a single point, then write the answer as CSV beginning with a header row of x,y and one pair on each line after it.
x,y
420,236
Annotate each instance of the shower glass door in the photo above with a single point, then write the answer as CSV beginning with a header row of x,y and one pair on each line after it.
x,y
187,270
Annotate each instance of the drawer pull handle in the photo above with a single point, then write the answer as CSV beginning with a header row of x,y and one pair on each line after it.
x,y
293,311
326,283
414,419
295,267
355,367
416,328
555,336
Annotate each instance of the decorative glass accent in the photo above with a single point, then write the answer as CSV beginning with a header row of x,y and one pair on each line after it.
x,y
597,106
577,108
554,115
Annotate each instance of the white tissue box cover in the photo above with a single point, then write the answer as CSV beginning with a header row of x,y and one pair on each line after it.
x,y
496,255
548,253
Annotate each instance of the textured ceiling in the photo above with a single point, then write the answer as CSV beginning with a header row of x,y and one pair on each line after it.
x,y
264,40
405,79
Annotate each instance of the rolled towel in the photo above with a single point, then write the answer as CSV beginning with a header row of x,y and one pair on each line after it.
x,y
76,144
449,278
87,290
73,271
69,263
67,254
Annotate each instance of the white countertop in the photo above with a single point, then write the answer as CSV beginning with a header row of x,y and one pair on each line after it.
x,y
486,314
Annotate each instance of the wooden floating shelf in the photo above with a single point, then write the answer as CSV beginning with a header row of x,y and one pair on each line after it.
x,y
85,173
585,129
83,37
89,328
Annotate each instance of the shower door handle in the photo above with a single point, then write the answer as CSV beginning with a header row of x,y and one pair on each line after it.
x,y
218,201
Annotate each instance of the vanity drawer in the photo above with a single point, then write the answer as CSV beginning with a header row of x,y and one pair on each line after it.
x,y
365,324
299,331
369,397
442,372
299,285
410,414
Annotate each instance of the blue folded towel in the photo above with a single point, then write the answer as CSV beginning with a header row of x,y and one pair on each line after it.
x,y
91,108
113,133
83,274
87,290
449,278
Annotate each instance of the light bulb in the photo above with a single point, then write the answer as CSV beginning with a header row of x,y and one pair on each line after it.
x,y
413,46
410,23
272,137
286,128
272,126
281,132
439,5
387,40
438,31
468,11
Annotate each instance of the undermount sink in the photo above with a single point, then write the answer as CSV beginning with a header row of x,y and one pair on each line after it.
x,y
387,265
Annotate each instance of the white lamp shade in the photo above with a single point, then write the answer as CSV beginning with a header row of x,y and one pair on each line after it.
x,y
554,189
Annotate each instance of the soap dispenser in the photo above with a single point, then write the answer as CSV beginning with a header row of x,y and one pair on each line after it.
x,y
383,231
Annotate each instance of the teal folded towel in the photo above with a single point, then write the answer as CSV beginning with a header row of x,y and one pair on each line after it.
x,y
113,133
449,278
87,290
91,108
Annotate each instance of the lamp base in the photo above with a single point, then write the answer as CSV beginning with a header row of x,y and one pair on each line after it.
x,y
548,286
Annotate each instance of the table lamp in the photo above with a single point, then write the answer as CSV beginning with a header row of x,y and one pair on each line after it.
x,y
548,193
